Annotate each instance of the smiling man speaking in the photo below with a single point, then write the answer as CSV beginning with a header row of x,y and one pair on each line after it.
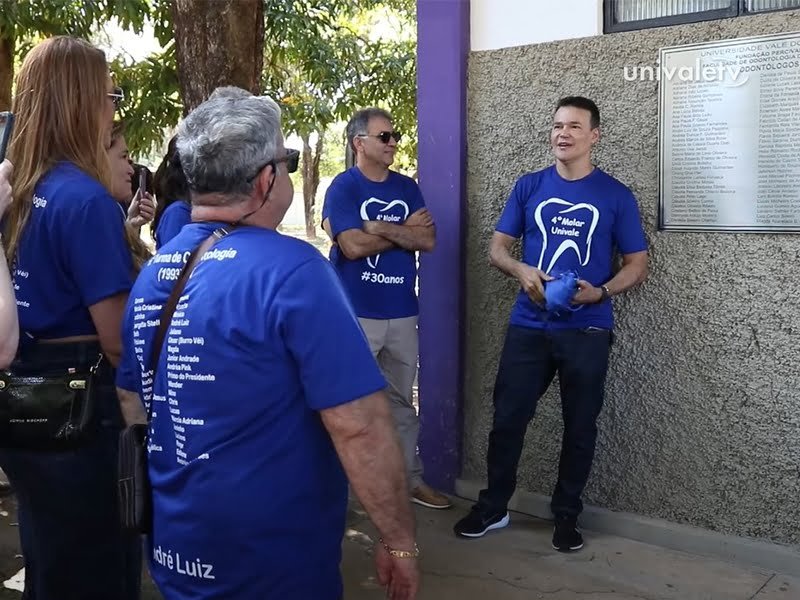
x,y
571,216
378,221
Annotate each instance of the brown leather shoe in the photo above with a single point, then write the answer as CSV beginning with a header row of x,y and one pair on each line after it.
x,y
424,495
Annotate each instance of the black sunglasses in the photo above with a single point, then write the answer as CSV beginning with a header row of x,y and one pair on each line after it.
x,y
291,158
385,136
117,96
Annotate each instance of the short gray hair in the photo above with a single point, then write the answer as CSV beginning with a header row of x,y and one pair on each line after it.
x,y
223,142
229,91
358,123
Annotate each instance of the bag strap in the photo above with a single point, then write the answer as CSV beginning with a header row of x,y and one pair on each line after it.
x,y
172,303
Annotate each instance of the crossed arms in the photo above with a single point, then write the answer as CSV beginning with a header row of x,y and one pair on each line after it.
x,y
417,233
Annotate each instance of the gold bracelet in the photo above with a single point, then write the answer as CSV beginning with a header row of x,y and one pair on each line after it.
x,y
401,553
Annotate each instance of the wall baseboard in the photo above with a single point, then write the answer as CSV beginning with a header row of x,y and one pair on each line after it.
x,y
683,538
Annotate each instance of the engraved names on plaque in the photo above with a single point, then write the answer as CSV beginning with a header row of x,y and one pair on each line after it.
x,y
730,135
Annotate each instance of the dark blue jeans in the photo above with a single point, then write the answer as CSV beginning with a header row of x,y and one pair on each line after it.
x,y
529,361
72,542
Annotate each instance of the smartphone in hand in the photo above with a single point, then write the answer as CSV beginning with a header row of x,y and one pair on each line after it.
x,y
6,127
142,182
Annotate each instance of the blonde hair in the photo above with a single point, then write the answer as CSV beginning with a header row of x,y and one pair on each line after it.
x,y
60,87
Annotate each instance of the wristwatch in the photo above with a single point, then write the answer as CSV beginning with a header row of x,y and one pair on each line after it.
x,y
606,293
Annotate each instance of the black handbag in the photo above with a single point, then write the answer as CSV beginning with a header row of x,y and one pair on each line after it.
x,y
133,481
53,412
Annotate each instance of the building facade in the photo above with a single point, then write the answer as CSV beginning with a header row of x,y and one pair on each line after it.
x,y
701,426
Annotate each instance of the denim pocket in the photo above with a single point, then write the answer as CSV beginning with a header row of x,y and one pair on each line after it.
x,y
599,331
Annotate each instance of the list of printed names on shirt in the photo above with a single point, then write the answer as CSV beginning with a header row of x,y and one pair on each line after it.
x,y
183,350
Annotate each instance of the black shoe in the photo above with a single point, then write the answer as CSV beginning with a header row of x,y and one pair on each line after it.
x,y
477,523
566,535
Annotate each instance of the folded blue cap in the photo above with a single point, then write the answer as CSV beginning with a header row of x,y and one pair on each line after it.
x,y
559,292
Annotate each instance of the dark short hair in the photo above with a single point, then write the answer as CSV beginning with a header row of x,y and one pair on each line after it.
x,y
358,123
585,104
169,183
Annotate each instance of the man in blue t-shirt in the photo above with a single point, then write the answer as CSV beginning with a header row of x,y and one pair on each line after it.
x,y
377,220
266,398
572,217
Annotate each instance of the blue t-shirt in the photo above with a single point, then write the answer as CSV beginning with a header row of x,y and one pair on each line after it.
x,y
249,495
571,225
172,220
381,286
72,254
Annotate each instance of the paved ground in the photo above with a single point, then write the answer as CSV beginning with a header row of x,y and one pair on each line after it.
x,y
517,563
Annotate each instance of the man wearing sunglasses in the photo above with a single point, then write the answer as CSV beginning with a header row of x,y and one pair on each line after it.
x,y
257,421
377,220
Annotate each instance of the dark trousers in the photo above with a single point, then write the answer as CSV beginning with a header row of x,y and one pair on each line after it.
x,y
72,543
529,361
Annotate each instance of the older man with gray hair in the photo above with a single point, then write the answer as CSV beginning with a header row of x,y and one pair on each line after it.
x,y
263,395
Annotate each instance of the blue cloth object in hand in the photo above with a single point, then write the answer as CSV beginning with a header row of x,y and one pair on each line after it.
x,y
559,292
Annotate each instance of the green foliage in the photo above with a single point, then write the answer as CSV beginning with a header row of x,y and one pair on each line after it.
x,y
322,61
333,159
150,86
31,20
322,64
152,101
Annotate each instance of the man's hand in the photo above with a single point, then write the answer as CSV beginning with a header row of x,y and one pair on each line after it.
x,y
587,293
142,210
399,575
421,218
532,281
6,169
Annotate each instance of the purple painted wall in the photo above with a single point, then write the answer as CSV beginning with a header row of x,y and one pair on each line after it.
x,y
443,47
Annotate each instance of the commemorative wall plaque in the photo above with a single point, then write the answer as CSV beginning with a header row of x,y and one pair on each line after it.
x,y
729,135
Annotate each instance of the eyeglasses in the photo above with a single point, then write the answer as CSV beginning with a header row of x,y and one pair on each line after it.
x,y
291,158
384,136
117,96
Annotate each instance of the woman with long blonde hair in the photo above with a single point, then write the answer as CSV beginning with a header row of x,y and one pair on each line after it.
x,y
65,239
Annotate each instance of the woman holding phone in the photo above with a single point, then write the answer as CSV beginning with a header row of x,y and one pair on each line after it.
x,y
137,210
73,266
140,207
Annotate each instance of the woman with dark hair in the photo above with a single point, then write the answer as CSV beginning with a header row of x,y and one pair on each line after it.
x,y
72,264
173,210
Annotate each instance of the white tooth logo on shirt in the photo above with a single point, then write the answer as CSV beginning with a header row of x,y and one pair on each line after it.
x,y
567,223
383,215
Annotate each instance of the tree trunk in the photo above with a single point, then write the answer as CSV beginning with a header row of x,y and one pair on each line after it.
x,y
218,43
6,66
310,166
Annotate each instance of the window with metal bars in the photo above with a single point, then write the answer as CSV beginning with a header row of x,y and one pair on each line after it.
x,y
627,15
